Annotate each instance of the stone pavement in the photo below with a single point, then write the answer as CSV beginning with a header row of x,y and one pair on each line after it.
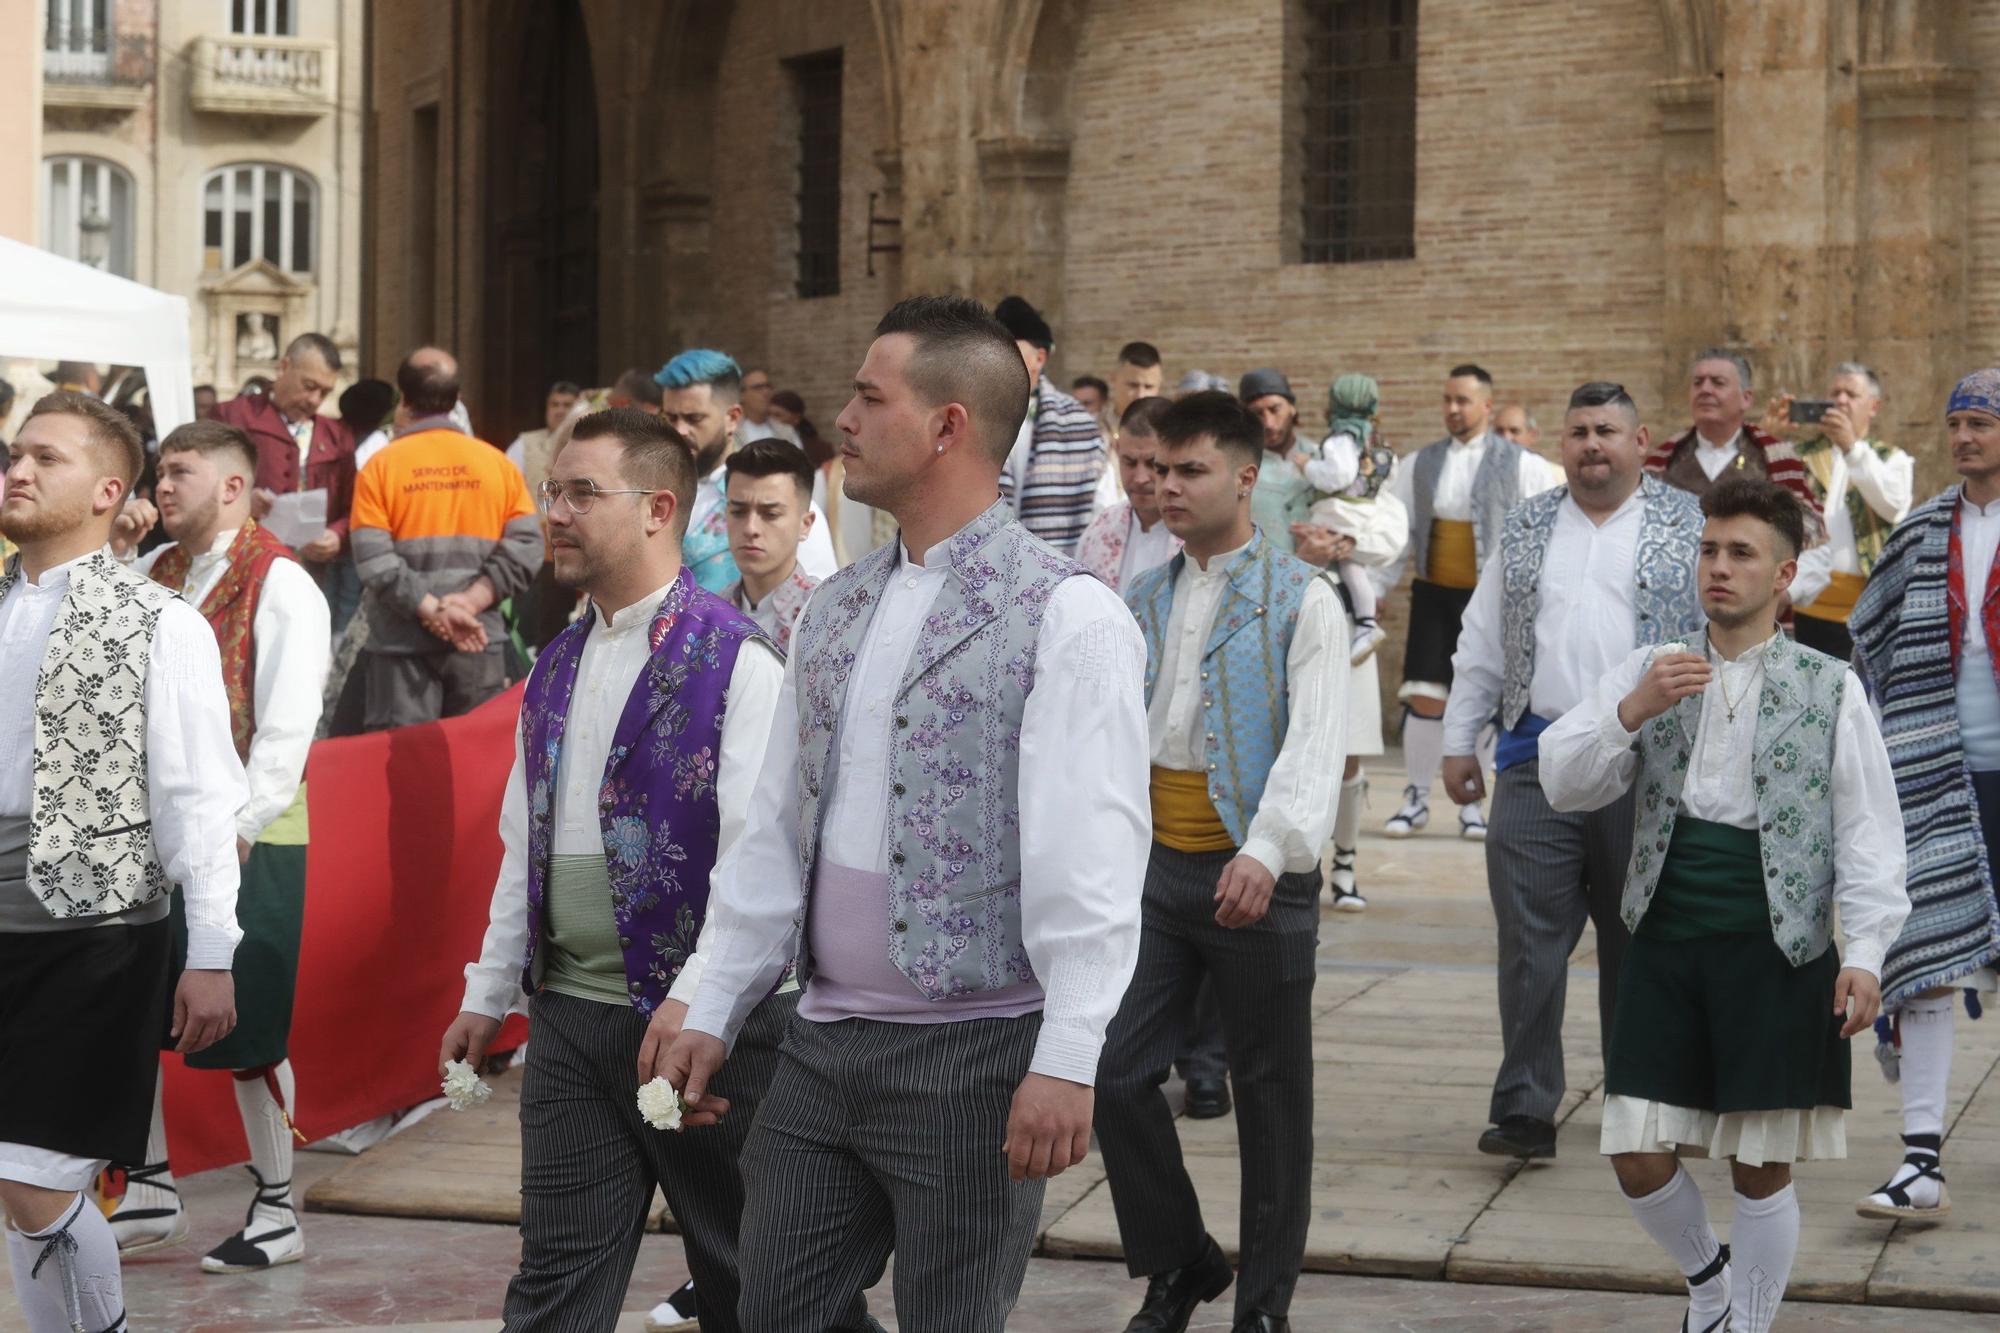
x,y
1406,1042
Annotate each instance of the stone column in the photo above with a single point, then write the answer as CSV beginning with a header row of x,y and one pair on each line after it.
x,y
1912,213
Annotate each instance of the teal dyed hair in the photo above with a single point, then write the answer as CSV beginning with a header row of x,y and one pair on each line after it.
x,y
703,365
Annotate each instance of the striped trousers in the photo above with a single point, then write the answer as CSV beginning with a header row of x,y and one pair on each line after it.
x,y
1548,873
1262,975
589,1165
879,1136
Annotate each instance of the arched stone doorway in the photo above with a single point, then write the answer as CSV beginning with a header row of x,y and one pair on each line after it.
x,y
542,212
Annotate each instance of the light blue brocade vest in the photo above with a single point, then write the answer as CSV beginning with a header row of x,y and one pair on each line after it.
x,y
1664,594
954,837
1791,772
1244,700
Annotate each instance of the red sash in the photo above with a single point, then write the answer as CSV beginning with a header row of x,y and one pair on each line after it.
x,y
231,610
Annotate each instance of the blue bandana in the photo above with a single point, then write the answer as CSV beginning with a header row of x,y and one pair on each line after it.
x,y
1977,392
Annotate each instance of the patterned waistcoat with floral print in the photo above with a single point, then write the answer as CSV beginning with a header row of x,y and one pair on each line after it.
x,y
954,823
1663,586
1244,693
1791,772
90,832
656,805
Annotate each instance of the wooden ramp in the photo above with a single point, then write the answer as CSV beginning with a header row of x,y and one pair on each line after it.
x,y
1406,1039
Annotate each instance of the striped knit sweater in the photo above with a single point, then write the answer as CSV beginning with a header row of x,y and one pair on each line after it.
x,y
1759,455
1063,467
1903,653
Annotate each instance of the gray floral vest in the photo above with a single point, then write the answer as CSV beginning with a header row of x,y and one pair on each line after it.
x,y
1791,772
1496,488
90,833
954,838
1664,591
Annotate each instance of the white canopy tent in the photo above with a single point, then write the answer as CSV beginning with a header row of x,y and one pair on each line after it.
x,y
56,309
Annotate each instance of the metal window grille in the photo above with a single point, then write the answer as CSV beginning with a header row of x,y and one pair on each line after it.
x,y
816,82
1359,131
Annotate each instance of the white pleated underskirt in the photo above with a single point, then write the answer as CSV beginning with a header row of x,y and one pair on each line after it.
x,y
1754,1138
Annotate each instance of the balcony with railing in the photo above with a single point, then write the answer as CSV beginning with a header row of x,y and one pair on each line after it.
x,y
264,76
94,70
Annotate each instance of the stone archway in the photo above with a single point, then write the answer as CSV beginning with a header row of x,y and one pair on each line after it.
x,y
541,320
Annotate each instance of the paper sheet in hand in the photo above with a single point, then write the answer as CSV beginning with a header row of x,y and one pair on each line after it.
x,y
297,518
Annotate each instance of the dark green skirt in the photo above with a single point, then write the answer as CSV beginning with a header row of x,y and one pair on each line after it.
x,y
1711,1016
270,908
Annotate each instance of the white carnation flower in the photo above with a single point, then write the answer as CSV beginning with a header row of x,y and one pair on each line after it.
x,y
1675,647
660,1105
463,1085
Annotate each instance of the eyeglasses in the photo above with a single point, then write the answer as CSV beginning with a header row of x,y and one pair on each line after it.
x,y
579,495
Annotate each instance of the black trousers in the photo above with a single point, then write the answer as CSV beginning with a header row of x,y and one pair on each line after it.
x,y
1262,976
1827,636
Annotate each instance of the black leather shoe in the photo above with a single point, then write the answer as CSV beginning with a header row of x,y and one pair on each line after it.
x,y
1171,1296
1262,1323
1207,1098
1520,1136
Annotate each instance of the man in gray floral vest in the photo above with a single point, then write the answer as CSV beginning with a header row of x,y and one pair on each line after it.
x,y
949,830
1764,799
1582,575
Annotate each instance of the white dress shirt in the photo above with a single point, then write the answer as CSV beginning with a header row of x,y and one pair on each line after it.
x,y
1145,548
1887,486
1452,499
194,782
1586,621
1085,815
1295,817
769,429
1978,695
614,655
374,444
1714,457
1588,760
293,635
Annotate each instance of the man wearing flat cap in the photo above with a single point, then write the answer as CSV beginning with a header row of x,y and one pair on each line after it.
x,y
1051,476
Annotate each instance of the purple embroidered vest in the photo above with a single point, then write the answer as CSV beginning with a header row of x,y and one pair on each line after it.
x,y
657,802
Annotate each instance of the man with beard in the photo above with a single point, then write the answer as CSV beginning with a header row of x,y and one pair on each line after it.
x,y
118,782
641,733
702,399
949,831
272,628
1583,574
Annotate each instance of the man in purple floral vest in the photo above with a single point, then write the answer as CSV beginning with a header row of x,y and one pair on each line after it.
x,y
950,831
641,734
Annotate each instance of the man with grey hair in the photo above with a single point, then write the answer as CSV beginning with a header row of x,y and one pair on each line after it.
x,y
1515,422
1864,487
297,448
1723,440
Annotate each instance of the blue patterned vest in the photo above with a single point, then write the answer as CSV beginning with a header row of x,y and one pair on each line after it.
x,y
1244,702
1791,772
1664,593
1496,488
656,805
954,838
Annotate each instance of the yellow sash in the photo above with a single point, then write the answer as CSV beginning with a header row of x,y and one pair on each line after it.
x,y
1836,603
1454,554
1183,816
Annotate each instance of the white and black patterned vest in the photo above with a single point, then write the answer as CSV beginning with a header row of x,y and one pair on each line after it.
x,y
90,833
